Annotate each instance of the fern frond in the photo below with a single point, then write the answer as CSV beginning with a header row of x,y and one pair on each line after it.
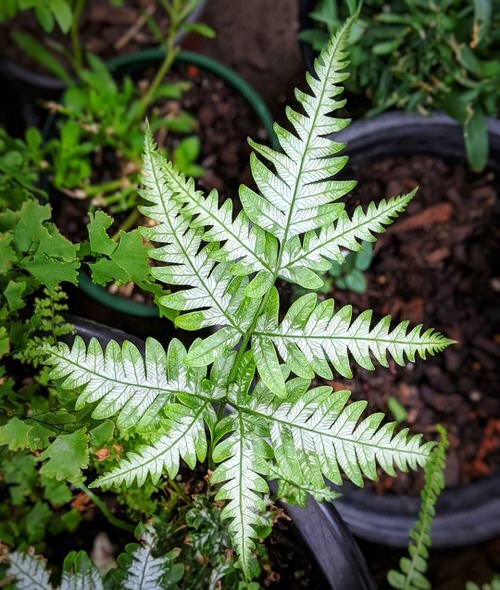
x,y
187,265
292,230
242,461
312,336
29,572
318,249
145,572
120,380
182,435
300,196
314,434
412,568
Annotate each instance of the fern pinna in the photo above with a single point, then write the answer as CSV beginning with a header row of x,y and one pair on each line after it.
x,y
224,268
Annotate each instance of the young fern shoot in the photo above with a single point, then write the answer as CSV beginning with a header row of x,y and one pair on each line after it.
x,y
413,568
224,269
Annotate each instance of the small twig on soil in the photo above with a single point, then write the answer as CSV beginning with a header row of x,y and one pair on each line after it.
x,y
135,28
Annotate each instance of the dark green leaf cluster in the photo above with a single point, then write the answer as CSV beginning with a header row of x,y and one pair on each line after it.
x,y
349,274
47,12
21,162
417,56
190,554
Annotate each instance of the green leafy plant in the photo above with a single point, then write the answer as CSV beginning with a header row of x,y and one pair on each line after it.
x,y
101,116
224,269
413,568
417,56
185,547
43,448
67,57
21,162
349,274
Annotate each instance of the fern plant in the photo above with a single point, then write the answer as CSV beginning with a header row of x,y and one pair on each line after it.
x,y
413,568
139,569
223,270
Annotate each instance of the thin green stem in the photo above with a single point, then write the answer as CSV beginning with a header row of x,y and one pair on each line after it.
x,y
110,517
102,187
75,37
127,223
171,51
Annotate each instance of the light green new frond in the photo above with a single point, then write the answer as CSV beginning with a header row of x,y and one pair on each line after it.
x,y
207,295
121,380
316,434
313,335
414,567
145,572
300,195
319,249
242,460
242,242
181,435
29,572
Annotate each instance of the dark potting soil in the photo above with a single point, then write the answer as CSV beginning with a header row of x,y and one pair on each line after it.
x,y
224,121
436,266
104,29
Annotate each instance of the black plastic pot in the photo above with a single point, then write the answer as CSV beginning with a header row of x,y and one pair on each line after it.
x,y
318,525
46,85
16,110
465,515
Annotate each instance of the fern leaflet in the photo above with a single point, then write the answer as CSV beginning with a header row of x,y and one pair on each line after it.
x,y
28,571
